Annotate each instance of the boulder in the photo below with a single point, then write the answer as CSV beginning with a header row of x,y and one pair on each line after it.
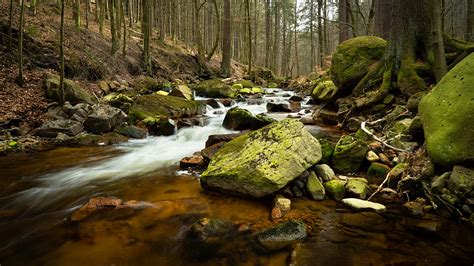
x,y
161,126
314,187
182,91
282,235
262,161
132,132
357,188
335,189
73,93
208,152
377,172
214,88
118,100
242,119
348,154
278,107
352,59
447,113
461,181
104,118
324,172
363,205
207,235
51,129
325,91
218,138
153,105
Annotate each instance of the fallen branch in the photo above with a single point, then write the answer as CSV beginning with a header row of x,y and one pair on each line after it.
x,y
362,126
387,178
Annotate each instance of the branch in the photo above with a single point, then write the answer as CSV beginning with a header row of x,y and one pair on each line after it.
x,y
362,126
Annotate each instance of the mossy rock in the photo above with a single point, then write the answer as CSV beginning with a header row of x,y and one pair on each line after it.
x,y
118,100
327,149
352,59
164,93
263,161
245,91
146,84
348,154
447,113
238,87
153,105
335,189
315,188
256,90
215,88
272,85
182,91
246,83
325,91
357,187
377,172
73,93
238,119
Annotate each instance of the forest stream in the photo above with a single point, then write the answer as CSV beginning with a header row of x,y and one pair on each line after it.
x,y
43,190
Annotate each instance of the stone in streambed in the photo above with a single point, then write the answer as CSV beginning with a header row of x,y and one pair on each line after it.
x,y
359,204
195,161
325,172
315,188
104,118
51,129
262,161
377,172
207,235
357,187
132,132
335,189
281,206
242,119
182,91
282,235
348,154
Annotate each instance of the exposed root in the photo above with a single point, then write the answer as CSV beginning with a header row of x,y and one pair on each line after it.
x,y
376,96
363,127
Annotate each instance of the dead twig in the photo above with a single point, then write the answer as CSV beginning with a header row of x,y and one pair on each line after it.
x,y
363,127
387,178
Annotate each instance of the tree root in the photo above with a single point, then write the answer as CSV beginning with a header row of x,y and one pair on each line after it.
x,y
376,96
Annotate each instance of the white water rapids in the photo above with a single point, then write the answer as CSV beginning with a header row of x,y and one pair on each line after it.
x,y
138,157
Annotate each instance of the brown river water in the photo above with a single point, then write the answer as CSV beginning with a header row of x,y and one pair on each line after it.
x,y
39,192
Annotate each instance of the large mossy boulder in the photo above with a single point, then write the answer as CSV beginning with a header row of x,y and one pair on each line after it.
x,y
349,154
352,59
73,93
263,161
447,115
215,88
155,105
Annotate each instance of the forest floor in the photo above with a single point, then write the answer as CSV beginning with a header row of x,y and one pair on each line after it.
x,y
87,60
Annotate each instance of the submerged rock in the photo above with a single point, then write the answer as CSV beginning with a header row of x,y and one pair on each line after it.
x,y
447,113
359,204
281,206
195,161
262,161
132,132
278,107
282,235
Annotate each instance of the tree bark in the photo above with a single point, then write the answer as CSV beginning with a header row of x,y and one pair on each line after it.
x,y
267,34
61,56
20,48
470,21
382,18
146,9
226,40
343,21
113,26
249,28
76,13
439,66
10,21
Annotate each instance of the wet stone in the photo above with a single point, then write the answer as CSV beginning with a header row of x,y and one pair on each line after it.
x,y
282,236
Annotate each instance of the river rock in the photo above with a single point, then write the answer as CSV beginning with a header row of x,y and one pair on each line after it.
x,y
104,118
118,100
242,119
461,181
439,182
447,113
195,161
348,154
73,93
325,172
415,208
182,91
281,206
335,189
377,172
207,235
153,105
209,152
50,129
315,188
278,107
218,138
359,204
132,132
262,161
282,235
214,88
161,126
357,187
372,157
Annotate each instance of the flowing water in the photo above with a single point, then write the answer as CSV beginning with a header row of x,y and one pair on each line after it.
x,y
39,192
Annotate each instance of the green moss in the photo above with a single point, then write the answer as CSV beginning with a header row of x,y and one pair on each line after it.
x,y
153,105
324,91
272,85
348,154
447,113
335,189
214,88
377,172
246,83
146,84
352,58
238,87
12,144
315,188
357,187
263,161
73,93
256,90
408,80
245,91
327,149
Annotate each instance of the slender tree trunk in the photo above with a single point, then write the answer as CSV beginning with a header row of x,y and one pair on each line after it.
x,y
61,56
320,35
276,43
343,21
249,27
470,21
439,66
124,24
296,39
33,5
113,26
311,34
10,20
216,40
146,6
226,41
76,13
267,34
370,20
87,13
20,48
101,15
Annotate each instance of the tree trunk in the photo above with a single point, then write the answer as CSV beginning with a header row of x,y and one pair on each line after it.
x,y
267,34
439,66
343,21
295,29
470,21
146,9
124,24
61,56
226,41
311,34
216,40
113,30
76,13
10,21
320,34
382,18
20,48
249,27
